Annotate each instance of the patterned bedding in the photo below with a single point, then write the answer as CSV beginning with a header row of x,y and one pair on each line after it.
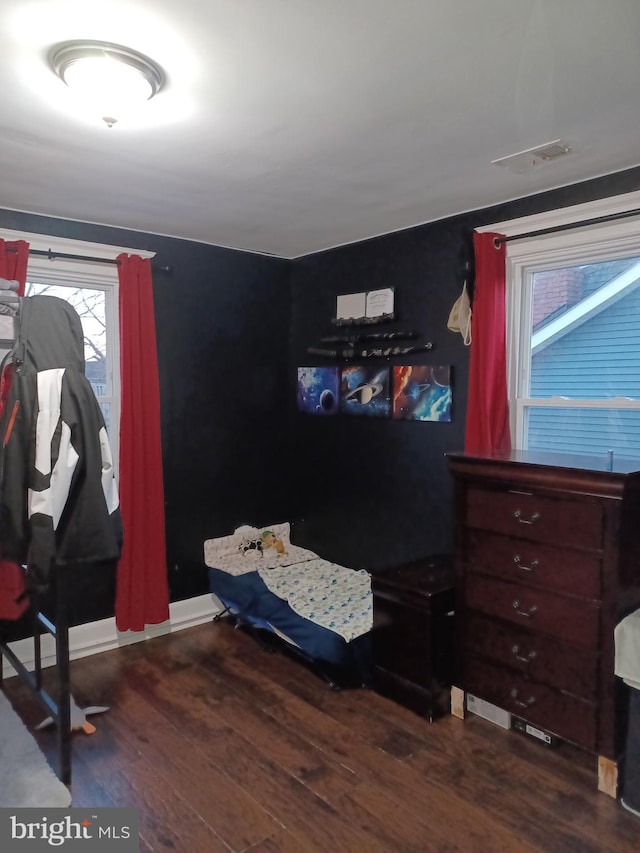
x,y
331,596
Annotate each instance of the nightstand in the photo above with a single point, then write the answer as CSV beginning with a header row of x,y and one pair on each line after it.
x,y
413,634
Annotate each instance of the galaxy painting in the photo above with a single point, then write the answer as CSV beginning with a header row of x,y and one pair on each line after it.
x,y
364,390
422,393
318,389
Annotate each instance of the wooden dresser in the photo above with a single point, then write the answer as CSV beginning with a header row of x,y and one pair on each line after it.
x,y
547,562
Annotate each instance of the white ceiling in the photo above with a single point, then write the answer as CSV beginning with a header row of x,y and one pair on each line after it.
x,y
289,126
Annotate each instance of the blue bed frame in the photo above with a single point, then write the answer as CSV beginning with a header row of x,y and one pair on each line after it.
x,y
248,599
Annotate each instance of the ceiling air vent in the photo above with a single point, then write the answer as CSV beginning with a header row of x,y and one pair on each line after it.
x,y
532,158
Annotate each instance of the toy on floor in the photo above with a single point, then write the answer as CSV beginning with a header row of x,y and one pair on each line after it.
x,y
78,718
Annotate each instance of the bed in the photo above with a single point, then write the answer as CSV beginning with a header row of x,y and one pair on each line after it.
x,y
322,612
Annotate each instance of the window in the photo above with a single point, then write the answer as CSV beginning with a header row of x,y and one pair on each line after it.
x,y
573,332
92,289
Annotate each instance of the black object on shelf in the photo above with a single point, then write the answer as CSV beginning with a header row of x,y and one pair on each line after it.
x,y
363,321
372,336
372,352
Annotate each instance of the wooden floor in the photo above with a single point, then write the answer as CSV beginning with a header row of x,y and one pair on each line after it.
x,y
221,747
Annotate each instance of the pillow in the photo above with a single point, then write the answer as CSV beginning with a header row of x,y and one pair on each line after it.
x,y
222,545
281,531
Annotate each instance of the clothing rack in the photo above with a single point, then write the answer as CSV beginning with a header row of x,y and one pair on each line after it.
x,y
60,708
9,309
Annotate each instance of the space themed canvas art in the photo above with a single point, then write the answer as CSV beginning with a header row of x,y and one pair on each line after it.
x,y
318,389
422,393
364,390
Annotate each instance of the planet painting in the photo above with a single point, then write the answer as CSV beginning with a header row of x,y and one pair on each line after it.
x,y
364,390
422,393
328,401
318,389
364,393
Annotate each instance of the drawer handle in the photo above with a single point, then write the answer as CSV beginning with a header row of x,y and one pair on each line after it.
x,y
527,702
528,613
533,654
530,568
518,515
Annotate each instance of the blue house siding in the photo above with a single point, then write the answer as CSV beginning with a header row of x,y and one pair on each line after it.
x,y
586,431
598,360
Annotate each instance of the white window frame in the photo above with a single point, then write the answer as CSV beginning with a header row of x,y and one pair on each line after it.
x,y
584,244
94,275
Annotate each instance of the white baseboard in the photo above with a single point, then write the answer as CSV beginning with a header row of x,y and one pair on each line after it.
x,y
102,636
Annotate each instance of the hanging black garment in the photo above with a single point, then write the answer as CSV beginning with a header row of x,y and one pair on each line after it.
x,y
58,495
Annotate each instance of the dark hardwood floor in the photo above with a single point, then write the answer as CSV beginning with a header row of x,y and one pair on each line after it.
x,y
221,747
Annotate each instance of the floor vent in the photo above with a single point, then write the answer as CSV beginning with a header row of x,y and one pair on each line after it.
x,y
532,158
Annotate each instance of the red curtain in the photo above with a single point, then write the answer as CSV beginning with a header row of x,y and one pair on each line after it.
x,y
14,257
142,594
487,427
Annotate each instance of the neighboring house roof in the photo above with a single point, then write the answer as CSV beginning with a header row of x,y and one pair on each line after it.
x,y
587,308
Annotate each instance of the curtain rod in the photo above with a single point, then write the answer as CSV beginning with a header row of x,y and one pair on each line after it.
x,y
48,253
598,220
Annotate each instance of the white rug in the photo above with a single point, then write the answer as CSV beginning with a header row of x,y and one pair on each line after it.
x,y
26,779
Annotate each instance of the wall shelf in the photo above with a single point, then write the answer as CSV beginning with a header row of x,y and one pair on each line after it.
x,y
362,321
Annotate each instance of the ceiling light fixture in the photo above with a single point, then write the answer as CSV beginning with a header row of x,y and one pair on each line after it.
x,y
111,79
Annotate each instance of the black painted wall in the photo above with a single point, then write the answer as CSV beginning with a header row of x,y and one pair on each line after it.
x,y
373,492
222,325
232,328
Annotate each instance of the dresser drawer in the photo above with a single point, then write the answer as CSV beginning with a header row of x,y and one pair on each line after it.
x,y
569,619
542,519
574,572
566,716
538,657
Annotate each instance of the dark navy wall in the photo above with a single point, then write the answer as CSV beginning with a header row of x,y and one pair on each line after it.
x,y
223,341
373,492
232,327
376,489
222,324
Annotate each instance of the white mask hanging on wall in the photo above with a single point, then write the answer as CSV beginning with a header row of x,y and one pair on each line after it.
x,y
460,316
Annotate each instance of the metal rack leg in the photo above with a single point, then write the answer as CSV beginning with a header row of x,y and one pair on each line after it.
x,y
64,687
60,709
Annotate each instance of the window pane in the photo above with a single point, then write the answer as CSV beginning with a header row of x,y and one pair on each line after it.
x,y
90,303
106,414
585,331
580,430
